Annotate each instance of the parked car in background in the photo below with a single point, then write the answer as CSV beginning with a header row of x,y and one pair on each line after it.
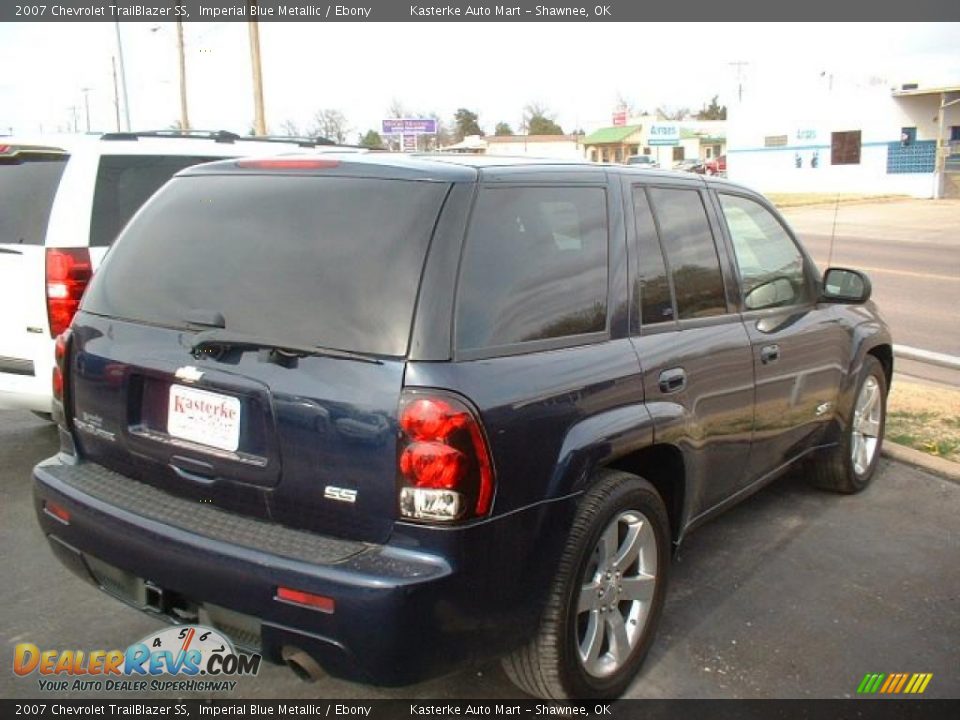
x,y
385,415
716,166
63,199
643,161
689,165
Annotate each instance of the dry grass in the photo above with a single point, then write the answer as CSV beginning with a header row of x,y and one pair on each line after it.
x,y
925,417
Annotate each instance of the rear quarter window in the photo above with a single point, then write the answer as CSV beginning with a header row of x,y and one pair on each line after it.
x,y
27,188
124,183
534,266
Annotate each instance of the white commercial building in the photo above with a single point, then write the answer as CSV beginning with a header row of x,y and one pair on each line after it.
x,y
847,138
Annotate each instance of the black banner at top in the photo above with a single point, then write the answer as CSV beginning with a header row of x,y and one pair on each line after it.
x,y
545,11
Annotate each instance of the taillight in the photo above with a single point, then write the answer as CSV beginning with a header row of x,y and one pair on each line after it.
x,y
68,273
444,462
60,349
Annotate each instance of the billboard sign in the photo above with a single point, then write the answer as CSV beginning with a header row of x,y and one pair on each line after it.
x,y
409,126
664,134
620,117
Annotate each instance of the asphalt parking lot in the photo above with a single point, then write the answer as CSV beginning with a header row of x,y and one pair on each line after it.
x,y
793,594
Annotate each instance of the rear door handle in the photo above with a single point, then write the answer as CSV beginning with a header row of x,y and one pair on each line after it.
x,y
673,380
769,354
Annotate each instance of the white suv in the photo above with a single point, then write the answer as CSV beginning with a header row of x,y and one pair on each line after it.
x,y
63,199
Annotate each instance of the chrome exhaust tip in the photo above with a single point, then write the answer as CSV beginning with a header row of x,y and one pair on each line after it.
x,y
302,664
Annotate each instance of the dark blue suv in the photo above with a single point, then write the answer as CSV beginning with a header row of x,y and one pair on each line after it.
x,y
380,415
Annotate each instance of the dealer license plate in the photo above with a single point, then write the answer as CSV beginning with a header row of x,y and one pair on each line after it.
x,y
204,417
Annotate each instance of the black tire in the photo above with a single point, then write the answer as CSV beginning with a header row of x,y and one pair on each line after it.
x,y
834,469
549,666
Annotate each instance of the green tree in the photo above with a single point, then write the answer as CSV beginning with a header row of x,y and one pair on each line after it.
x,y
465,123
713,111
538,120
502,129
371,140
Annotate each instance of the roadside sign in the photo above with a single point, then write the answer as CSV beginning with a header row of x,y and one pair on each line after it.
x,y
409,126
664,134
620,117
409,143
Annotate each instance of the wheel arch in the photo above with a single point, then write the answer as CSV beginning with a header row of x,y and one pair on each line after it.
x,y
661,465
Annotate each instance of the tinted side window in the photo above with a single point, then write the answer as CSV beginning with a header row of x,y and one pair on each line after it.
x,y
124,183
651,284
27,189
534,266
691,252
771,266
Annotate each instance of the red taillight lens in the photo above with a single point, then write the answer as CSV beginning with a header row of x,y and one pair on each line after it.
x,y
299,597
60,348
68,274
444,463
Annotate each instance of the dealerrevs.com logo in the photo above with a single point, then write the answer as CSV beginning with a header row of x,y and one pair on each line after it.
x,y
199,657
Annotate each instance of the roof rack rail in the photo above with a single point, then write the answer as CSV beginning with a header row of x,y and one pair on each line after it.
x,y
220,136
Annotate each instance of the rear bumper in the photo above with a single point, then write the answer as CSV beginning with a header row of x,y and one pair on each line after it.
x,y
401,614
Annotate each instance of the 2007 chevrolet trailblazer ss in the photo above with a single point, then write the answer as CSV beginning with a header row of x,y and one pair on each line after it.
x,y
381,416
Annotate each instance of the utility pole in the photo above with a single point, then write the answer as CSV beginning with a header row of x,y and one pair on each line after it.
x,y
184,119
259,123
123,77
943,148
86,104
739,64
116,97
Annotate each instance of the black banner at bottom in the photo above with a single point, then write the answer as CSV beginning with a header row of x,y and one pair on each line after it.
x,y
859,709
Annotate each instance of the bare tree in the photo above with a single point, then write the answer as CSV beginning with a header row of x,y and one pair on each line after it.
x,y
289,127
665,112
331,124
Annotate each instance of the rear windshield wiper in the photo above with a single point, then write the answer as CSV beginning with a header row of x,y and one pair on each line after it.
x,y
228,338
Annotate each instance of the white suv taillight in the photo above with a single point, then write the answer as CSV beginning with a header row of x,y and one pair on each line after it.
x,y
445,473
68,273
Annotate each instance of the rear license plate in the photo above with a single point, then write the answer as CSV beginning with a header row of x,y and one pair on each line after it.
x,y
204,417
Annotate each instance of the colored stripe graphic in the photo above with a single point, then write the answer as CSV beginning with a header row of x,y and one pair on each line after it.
x,y
894,683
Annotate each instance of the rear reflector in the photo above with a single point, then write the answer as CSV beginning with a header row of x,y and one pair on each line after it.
x,y
289,164
68,274
299,597
54,510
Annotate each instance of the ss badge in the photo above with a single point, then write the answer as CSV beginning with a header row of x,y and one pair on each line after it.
x,y
342,494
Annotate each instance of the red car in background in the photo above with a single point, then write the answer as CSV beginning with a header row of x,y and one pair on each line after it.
x,y
716,166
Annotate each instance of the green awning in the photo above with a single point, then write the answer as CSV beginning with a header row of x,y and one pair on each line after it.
x,y
611,135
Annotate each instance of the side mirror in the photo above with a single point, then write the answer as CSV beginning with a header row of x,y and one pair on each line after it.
x,y
841,285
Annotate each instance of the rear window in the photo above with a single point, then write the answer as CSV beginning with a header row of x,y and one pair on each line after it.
x,y
124,183
534,267
27,189
331,262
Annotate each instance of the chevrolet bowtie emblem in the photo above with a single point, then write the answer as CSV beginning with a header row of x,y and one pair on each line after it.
x,y
189,373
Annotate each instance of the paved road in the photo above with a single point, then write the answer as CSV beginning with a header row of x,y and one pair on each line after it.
x,y
794,593
910,249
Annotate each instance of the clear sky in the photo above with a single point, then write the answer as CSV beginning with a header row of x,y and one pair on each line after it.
x,y
576,70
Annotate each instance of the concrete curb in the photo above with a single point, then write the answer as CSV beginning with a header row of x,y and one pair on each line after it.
x,y
937,466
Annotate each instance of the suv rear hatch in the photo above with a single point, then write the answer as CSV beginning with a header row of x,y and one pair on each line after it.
x,y
243,344
29,178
